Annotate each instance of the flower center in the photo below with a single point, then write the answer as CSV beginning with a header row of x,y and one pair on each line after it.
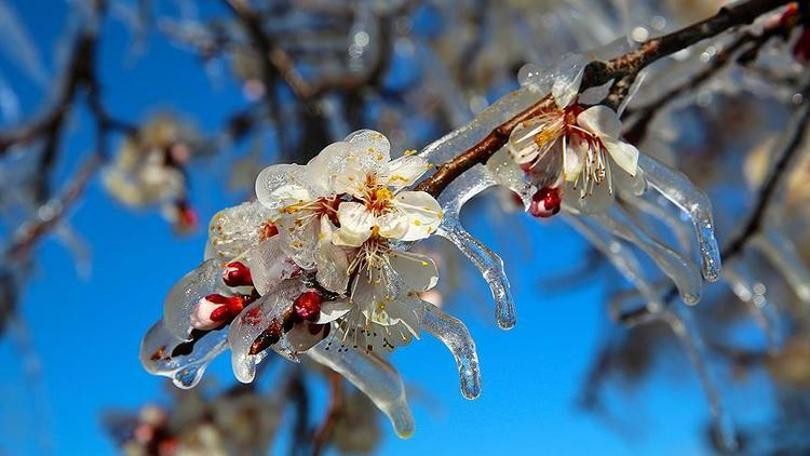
x,y
378,200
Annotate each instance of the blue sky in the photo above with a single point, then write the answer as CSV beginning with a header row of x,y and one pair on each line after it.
x,y
85,331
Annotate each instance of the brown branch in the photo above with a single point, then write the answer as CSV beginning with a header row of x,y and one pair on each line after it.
x,y
599,72
751,42
323,434
50,213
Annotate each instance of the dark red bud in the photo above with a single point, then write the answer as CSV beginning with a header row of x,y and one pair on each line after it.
x,y
231,306
236,274
545,202
307,306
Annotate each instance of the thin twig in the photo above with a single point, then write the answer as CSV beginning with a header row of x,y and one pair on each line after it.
x,y
323,434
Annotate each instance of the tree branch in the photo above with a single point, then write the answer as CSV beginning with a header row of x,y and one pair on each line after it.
x,y
599,72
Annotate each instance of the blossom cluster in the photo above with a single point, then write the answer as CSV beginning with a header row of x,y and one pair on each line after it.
x,y
320,265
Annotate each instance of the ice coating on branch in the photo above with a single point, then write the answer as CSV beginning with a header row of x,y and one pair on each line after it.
x,y
676,187
471,183
186,293
255,320
455,335
269,265
783,255
487,120
621,257
753,292
679,269
372,375
658,210
683,325
183,362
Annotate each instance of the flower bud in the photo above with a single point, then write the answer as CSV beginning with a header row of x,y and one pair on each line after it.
x,y
214,310
545,202
236,274
307,306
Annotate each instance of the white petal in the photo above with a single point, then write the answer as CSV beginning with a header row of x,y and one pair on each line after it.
x,y
273,178
393,225
423,211
567,79
355,224
331,261
404,171
601,121
573,158
565,91
304,336
332,310
624,154
418,272
372,147
350,178
323,166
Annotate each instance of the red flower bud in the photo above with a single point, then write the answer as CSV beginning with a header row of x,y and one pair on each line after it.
x,y
307,306
545,202
236,274
215,309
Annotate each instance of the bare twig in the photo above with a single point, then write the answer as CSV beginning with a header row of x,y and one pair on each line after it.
x,y
324,432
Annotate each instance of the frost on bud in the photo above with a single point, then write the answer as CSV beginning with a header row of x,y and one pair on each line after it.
x,y
214,310
236,274
307,306
545,202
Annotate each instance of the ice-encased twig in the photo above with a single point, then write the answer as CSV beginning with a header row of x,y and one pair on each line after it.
x,y
679,269
373,376
679,318
782,254
621,257
489,263
508,106
184,370
455,335
752,292
676,187
184,295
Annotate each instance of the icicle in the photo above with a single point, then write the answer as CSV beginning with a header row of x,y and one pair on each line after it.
x,y
455,335
658,211
686,278
782,254
622,258
676,187
752,292
489,263
680,320
373,376
185,370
